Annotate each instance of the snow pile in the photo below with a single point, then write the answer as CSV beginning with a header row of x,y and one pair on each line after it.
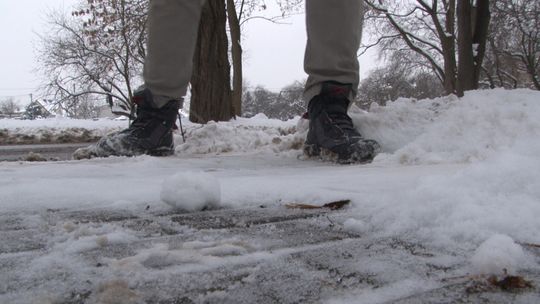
x,y
62,123
434,131
452,130
489,142
256,134
191,191
461,205
56,130
499,255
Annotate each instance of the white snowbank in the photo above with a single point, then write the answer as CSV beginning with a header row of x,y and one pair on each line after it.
x,y
256,134
62,123
56,130
452,130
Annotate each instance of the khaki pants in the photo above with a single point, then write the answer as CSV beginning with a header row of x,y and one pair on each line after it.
x,y
334,30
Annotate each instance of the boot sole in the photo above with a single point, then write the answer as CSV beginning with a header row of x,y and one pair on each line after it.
x,y
316,151
161,152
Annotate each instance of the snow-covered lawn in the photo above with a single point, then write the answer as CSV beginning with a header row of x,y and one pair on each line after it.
x,y
460,175
56,130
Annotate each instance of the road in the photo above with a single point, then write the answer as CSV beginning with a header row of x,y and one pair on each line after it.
x,y
49,152
252,255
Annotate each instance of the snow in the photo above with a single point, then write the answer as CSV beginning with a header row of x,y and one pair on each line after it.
x,y
355,225
243,136
191,191
499,255
62,122
56,130
462,175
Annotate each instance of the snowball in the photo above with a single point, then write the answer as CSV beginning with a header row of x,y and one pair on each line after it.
x,y
191,191
260,116
497,254
354,225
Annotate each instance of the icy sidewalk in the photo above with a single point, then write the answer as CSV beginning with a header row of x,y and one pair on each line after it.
x,y
97,232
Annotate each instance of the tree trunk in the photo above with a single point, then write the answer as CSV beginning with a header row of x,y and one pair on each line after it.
x,y
473,26
210,81
236,50
481,30
465,71
449,49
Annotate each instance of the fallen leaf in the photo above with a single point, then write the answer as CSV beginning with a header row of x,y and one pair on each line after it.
x,y
529,245
302,206
510,283
332,206
337,205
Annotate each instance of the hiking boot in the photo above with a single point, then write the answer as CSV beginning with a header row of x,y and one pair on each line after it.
x,y
150,133
331,129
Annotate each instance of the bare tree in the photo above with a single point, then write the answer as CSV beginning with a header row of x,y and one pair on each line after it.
x,y
284,105
513,58
99,50
433,31
9,107
397,79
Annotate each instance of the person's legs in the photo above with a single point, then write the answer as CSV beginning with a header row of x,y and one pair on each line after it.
x,y
172,36
334,32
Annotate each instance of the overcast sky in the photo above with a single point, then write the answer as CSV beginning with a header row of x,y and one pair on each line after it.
x,y
273,53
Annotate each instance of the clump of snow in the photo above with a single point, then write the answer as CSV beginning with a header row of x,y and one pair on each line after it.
x,y
34,157
256,134
259,116
499,255
115,292
191,191
74,238
387,294
354,225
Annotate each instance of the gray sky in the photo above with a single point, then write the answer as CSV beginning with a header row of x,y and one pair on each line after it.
x,y
273,53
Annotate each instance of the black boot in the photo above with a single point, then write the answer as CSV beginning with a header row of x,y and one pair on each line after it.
x,y
331,129
150,133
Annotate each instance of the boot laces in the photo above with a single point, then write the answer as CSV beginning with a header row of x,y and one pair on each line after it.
x,y
343,121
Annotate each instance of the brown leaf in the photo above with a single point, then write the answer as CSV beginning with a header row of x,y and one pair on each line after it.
x,y
302,206
529,245
337,205
510,283
332,206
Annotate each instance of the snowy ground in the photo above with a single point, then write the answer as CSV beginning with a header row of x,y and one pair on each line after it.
x,y
453,199
56,130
